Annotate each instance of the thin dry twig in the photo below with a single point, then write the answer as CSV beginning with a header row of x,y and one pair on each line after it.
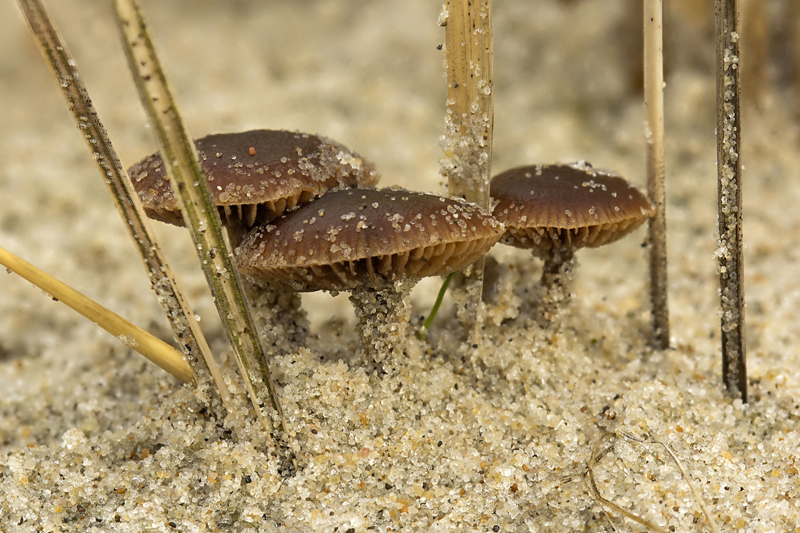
x,y
696,493
197,207
129,334
729,182
654,124
598,452
588,477
610,522
164,283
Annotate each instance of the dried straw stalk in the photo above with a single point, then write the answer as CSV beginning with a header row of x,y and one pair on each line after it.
x,y
654,124
729,181
469,121
141,341
197,207
164,283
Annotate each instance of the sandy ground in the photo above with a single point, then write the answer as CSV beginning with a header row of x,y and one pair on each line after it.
x,y
492,437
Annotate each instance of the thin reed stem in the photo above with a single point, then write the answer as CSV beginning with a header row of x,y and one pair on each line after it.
x,y
729,182
197,207
169,293
654,122
469,120
129,334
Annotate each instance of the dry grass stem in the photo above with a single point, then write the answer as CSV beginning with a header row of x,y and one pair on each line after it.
x,y
729,182
129,334
654,132
599,451
467,142
197,206
164,283
588,477
696,493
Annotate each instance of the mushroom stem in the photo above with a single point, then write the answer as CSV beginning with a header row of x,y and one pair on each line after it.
x,y
236,233
281,321
559,264
383,315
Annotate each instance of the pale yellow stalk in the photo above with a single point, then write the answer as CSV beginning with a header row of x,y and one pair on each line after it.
x,y
469,122
129,334
654,127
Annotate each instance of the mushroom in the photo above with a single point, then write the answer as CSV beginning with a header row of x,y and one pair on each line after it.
x,y
256,176
556,209
375,244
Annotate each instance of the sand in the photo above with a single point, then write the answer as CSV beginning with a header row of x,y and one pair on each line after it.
x,y
494,436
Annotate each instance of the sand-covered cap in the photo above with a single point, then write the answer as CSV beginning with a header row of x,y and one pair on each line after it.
x,y
349,238
255,176
576,206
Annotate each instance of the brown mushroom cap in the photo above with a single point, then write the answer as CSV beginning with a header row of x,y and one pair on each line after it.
x,y
255,176
349,238
546,206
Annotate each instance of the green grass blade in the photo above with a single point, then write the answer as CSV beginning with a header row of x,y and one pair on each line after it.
x,y
435,309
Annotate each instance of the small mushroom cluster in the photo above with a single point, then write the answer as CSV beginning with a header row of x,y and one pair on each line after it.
x,y
256,176
554,210
309,230
302,215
